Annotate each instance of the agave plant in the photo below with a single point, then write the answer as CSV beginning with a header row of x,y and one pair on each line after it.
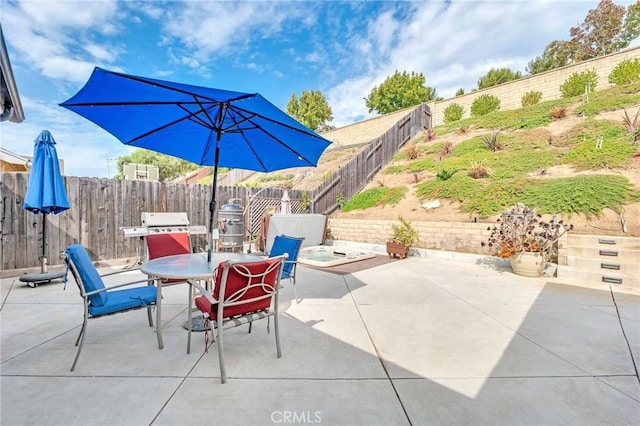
x,y
632,125
491,141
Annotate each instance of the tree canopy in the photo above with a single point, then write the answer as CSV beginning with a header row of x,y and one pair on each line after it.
x,y
399,91
497,76
311,109
169,167
606,29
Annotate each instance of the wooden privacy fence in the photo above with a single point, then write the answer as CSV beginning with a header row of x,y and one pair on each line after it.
x,y
100,207
353,176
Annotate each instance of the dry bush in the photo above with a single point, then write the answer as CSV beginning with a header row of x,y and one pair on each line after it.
x,y
416,176
412,152
558,112
478,170
463,130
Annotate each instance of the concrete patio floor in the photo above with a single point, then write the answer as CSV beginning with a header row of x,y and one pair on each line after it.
x,y
414,342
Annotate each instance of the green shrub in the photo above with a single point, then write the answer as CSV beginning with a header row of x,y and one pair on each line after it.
x,y
576,83
586,194
453,112
372,197
531,98
444,175
460,92
627,71
484,104
421,165
459,187
393,170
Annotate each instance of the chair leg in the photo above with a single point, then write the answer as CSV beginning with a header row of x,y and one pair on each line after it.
x,y
84,324
80,340
189,321
277,332
223,370
158,315
295,289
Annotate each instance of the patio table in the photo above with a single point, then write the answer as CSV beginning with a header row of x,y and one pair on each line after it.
x,y
192,266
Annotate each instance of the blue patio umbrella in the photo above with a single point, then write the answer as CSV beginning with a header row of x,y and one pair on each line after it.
x,y
207,126
45,190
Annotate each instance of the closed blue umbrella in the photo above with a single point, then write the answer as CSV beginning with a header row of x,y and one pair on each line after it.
x,y
45,191
207,126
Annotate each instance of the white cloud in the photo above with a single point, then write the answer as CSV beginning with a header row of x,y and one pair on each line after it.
x,y
53,36
452,44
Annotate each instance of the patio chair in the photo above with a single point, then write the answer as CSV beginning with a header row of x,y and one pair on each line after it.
x,y
100,301
161,245
243,293
291,246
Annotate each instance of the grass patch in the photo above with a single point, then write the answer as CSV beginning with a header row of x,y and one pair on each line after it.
x,y
275,177
459,187
616,149
421,165
373,197
493,198
393,170
611,99
581,194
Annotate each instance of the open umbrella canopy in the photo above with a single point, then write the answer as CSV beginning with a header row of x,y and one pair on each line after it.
x,y
209,127
188,122
45,192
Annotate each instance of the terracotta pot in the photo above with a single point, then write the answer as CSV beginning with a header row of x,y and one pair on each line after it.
x,y
394,249
527,264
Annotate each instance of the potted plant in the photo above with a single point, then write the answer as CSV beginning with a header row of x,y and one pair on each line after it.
x,y
404,236
526,240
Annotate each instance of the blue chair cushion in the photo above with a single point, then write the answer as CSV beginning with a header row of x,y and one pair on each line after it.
x,y
121,300
88,273
290,245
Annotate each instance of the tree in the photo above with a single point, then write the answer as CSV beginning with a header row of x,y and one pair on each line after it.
x,y
497,76
401,90
606,29
169,167
311,109
557,54
600,33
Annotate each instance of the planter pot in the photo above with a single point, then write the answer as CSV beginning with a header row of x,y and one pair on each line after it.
x,y
394,249
527,264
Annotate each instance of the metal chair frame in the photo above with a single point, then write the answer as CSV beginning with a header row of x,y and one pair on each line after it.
x,y
86,302
260,280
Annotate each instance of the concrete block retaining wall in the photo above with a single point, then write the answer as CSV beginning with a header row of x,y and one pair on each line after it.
x,y
464,237
510,94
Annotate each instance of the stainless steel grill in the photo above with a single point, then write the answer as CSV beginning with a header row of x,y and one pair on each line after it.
x,y
163,223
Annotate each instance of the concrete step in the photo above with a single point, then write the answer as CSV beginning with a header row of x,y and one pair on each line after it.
x,y
605,253
603,241
613,278
600,260
605,265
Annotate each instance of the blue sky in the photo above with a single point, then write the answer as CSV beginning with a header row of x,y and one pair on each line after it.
x,y
342,49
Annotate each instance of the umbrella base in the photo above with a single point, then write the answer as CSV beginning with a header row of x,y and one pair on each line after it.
x,y
34,279
197,324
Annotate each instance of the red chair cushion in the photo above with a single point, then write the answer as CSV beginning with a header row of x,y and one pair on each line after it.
x,y
161,245
237,281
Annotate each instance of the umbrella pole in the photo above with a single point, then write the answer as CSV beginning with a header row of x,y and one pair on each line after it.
x,y
43,258
212,204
